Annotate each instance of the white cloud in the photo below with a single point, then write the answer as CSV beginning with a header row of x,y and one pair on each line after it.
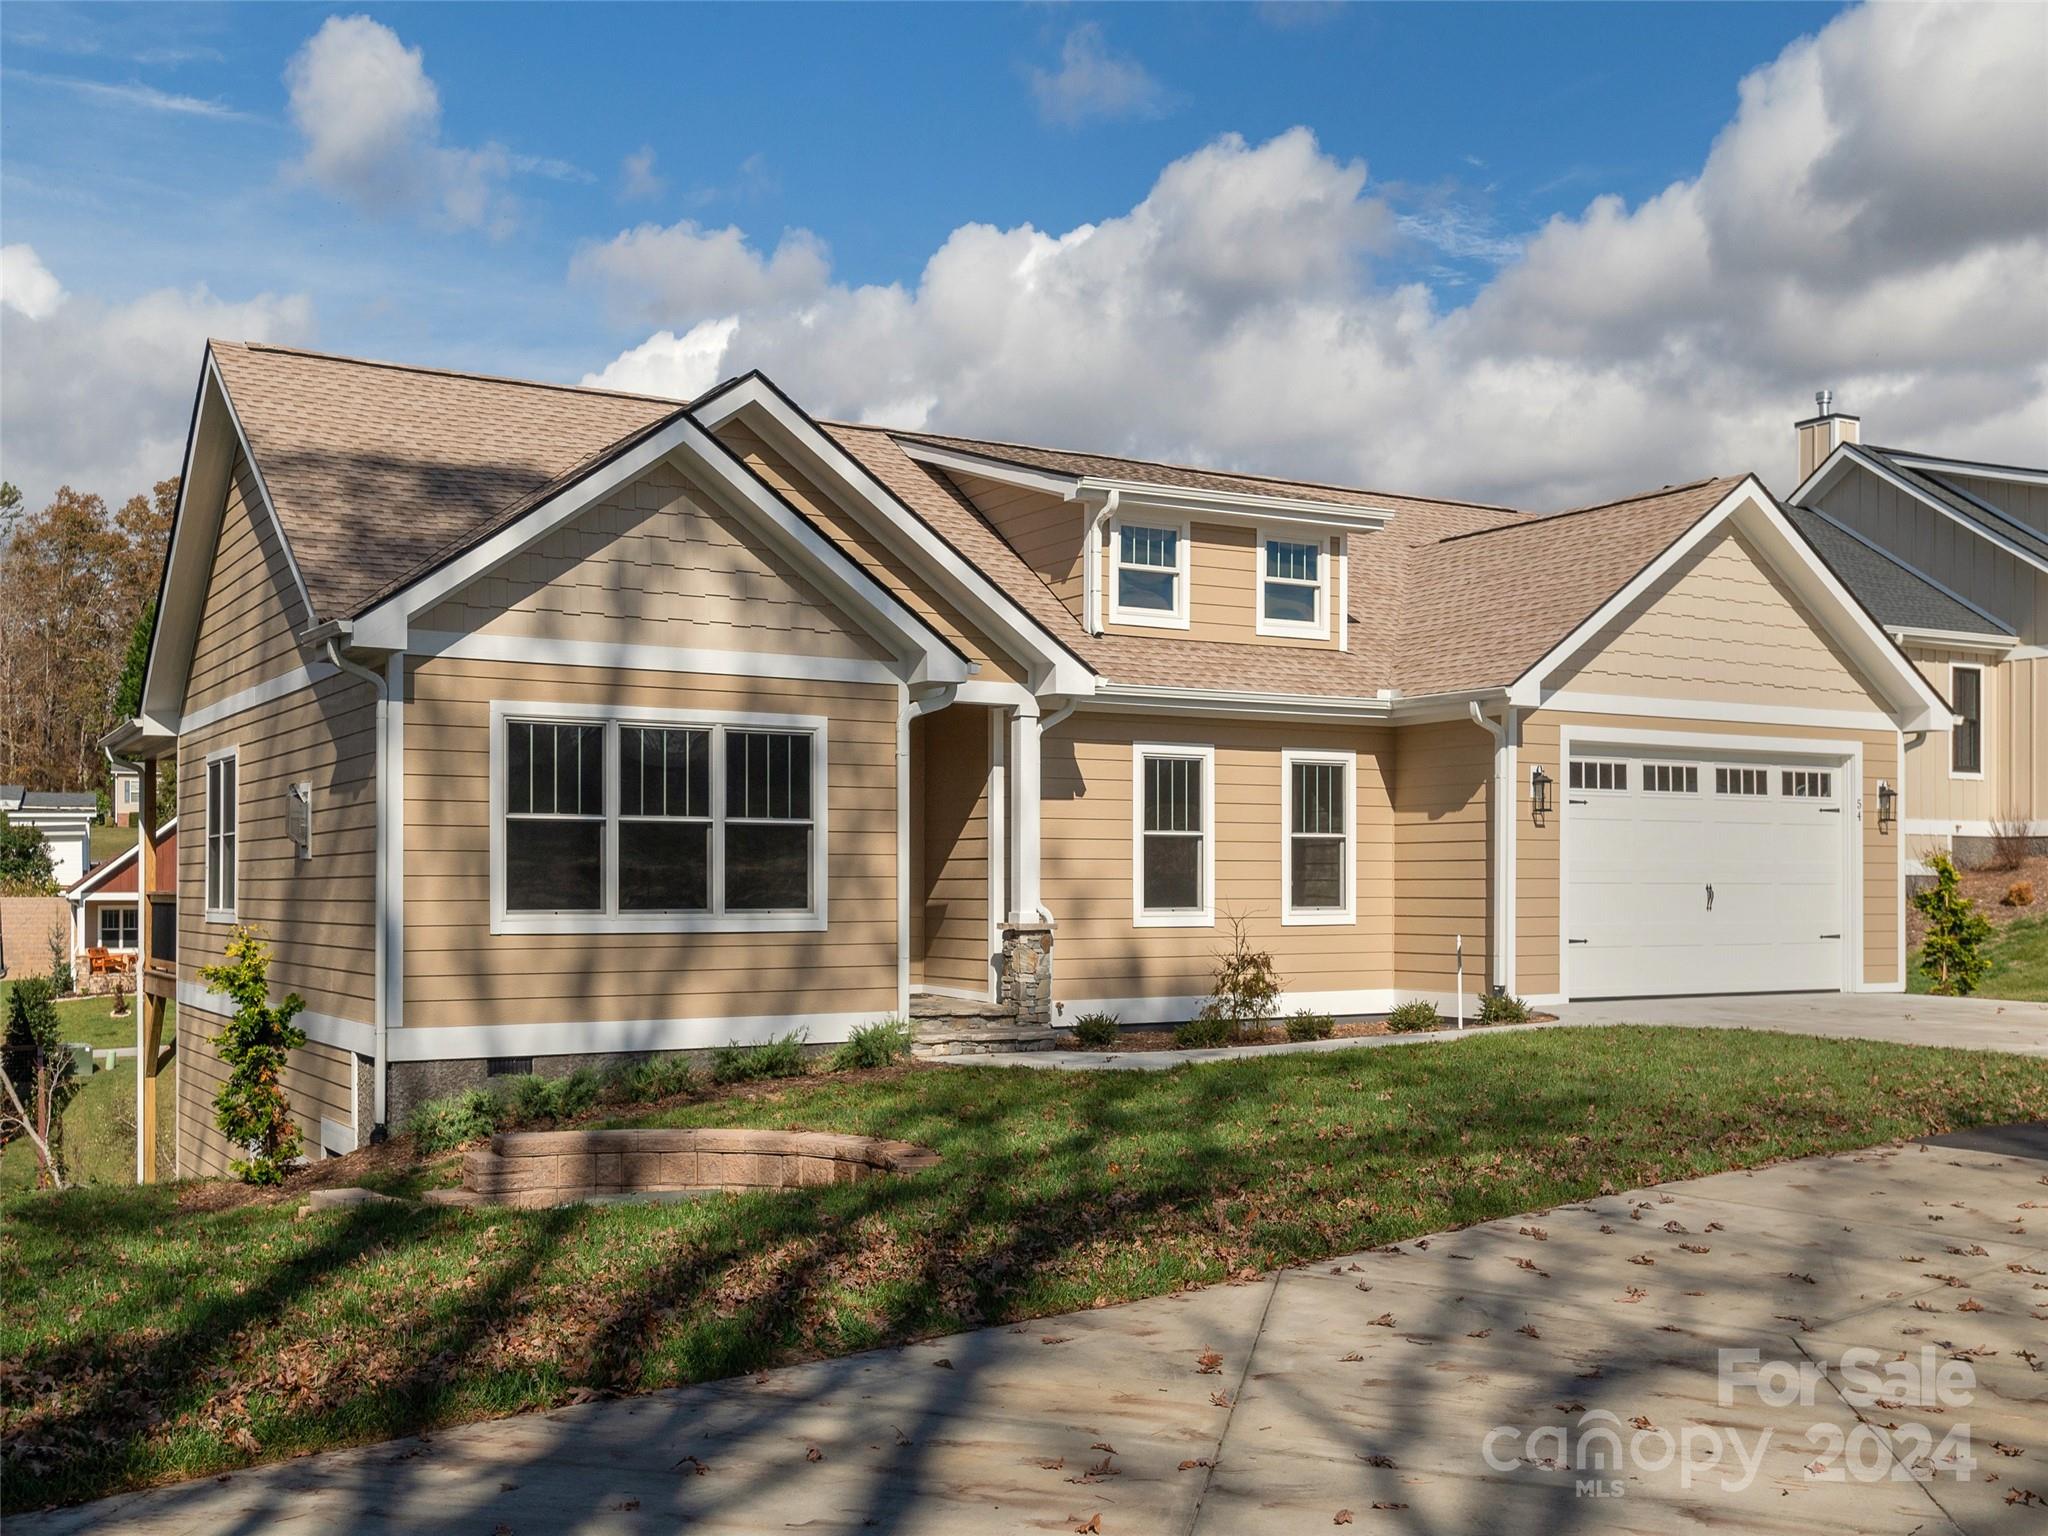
x,y
371,119
1232,315
1092,82
26,286
681,367
638,180
133,94
99,395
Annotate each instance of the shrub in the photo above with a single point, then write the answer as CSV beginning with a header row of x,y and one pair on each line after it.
x,y
1097,1031
1204,1031
25,866
1413,1016
251,1108
1502,1008
872,1045
1952,955
2019,894
439,1125
1247,990
531,1099
40,1073
643,1082
780,1057
61,977
2011,841
1306,1024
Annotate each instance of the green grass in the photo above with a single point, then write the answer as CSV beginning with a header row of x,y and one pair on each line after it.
x,y
108,840
99,1123
91,1021
149,1343
2019,963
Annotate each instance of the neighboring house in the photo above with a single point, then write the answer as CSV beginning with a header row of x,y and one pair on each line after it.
x,y
127,795
65,820
106,906
1972,538
540,725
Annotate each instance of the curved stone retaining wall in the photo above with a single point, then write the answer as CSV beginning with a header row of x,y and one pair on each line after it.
x,y
542,1168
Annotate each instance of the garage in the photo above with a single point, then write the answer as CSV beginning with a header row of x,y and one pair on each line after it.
x,y
1690,873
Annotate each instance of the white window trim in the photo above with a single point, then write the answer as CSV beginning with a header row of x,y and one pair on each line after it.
x,y
1286,628
611,920
1151,618
1318,917
115,909
1983,722
224,914
1205,915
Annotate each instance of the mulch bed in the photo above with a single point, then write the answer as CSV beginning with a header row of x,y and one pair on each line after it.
x,y
1161,1038
1987,887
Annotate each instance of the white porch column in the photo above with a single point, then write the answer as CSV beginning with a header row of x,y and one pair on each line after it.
x,y
1023,776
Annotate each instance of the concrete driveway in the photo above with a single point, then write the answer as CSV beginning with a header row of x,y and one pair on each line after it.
x,y
1981,1023
1554,1372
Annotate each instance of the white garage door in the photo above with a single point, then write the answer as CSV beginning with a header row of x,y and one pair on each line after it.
x,y
1695,874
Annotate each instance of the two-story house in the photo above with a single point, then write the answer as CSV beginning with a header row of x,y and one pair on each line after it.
x,y
539,726
1971,540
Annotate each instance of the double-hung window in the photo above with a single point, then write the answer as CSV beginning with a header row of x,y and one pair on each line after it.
x,y
1966,737
1149,574
641,821
119,927
1293,586
223,812
1175,864
1316,810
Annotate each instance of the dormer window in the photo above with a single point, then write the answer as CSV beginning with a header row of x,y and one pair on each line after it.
x,y
1293,586
1150,579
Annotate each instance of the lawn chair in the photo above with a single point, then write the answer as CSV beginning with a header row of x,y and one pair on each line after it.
x,y
102,962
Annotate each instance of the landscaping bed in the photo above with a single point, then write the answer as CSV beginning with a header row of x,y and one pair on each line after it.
x,y
1160,1037
154,1334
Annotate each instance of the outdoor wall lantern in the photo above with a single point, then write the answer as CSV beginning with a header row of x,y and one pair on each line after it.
x,y
1887,805
1539,791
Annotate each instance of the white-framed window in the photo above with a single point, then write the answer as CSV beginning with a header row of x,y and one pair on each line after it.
x,y
1317,822
1148,573
1173,849
223,816
120,927
1600,774
620,820
1752,782
1294,585
1671,779
1966,736
1807,784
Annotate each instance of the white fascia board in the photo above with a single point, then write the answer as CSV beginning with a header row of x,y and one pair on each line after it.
x,y
1234,702
1234,506
1933,465
1750,507
1850,453
1057,670
1023,476
1954,639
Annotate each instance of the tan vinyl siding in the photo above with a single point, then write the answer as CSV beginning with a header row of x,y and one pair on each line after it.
x,y
1443,775
1223,581
2015,742
953,746
1086,861
317,1084
1537,939
656,563
458,973
252,609
870,553
1045,530
318,914
1721,627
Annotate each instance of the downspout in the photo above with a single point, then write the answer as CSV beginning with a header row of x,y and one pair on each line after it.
x,y
932,699
1503,832
380,1006
1094,581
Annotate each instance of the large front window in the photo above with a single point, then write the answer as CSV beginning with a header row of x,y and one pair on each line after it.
x,y
631,823
1176,797
1150,578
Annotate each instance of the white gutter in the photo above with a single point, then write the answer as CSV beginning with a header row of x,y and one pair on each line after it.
x,y
1500,812
380,1007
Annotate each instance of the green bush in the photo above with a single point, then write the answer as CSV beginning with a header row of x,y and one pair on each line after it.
x,y
39,1066
1247,988
1952,955
442,1124
1306,1024
643,1082
1204,1031
780,1057
531,1099
1502,1008
872,1045
1413,1016
1097,1031
250,1108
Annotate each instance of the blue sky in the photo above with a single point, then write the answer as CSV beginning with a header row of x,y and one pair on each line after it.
x,y
173,148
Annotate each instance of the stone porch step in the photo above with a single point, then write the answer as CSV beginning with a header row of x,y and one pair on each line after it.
x,y
956,1026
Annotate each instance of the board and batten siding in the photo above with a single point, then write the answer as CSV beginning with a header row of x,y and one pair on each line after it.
x,y
1223,587
1086,820
861,545
657,563
950,908
1721,627
457,972
2023,502
318,1085
1442,779
2015,744
252,611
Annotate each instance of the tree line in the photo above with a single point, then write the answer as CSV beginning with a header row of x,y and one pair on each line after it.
x,y
78,586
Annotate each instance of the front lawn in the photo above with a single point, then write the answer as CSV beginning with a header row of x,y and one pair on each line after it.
x,y
147,1340
99,1122
2019,963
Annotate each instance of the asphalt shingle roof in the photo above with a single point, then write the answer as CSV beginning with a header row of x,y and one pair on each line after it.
x,y
1896,597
